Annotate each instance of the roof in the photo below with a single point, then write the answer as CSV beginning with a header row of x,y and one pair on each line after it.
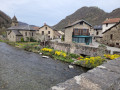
x,y
14,18
77,23
111,27
17,33
22,27
98,27
57,33
36,28
112,20
48,26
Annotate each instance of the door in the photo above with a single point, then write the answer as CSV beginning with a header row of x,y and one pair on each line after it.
x,y
87,41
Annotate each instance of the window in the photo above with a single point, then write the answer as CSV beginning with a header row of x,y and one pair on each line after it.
x,y
106,24
117,43
42,32
48,32
48,37
46,28
81,23
25,33
32,33
97,33
111,36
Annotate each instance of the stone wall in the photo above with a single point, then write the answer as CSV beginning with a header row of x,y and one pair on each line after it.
x,y
79,49
104,77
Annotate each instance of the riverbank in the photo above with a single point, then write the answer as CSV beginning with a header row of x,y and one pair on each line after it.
x,y
86,62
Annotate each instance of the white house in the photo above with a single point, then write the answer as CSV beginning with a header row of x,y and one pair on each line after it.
x,y
108,23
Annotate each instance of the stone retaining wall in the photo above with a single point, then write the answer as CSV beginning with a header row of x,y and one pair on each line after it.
x,y
104,77
79,49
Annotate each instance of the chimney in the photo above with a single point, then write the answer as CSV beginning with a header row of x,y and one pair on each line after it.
x,y
107,18
44,24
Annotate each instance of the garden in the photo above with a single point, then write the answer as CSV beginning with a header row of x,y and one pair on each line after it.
x,y
86,61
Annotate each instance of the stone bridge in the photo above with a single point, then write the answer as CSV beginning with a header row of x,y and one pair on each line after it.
x,y
104,77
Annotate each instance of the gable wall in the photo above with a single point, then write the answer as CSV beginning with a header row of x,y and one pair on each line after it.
x,y
46,31
115,31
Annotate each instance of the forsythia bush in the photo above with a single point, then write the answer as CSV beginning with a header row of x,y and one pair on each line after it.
x,y
109,56
47,49
90,62
60,53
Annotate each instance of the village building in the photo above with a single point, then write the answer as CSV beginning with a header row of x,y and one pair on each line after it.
x,y
111,36
48,31
97,33
78,32
109,22
19,31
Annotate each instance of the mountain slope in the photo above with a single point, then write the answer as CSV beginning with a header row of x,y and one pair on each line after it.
x,y
5,22
93,15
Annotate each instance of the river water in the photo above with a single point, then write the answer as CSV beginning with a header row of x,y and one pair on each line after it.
x,y
22,70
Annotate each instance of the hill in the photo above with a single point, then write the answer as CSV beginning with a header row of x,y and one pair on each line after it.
x,y
5,21
93,15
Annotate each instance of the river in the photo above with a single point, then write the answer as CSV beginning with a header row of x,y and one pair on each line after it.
x,y
22,70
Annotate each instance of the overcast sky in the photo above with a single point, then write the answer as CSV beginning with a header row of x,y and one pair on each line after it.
x,y
38,12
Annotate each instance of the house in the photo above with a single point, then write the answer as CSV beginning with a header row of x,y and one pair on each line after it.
x,y
18,31
78,32
48,31
109,23
97,32
111,36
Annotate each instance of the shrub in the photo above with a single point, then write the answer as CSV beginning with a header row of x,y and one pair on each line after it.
x,y
111,57
47,49
32,39
73,55
27,47
22,39
90,62
60,53
62,38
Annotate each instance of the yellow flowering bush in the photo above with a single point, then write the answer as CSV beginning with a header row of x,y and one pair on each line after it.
x,y
60,53
47,49
90,62
112,57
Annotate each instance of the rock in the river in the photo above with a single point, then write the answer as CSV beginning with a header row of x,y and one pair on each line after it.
x,y
70,66
40,53
45,57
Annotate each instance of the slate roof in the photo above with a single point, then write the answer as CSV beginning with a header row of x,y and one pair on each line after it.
x,y
57,33
48,26
17,33
77,23
112,20
98,27
22,27
111,27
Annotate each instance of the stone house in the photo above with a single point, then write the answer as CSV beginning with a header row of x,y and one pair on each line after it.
x,y
48,31
109,23
78,32
97,33
17,31
111,36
